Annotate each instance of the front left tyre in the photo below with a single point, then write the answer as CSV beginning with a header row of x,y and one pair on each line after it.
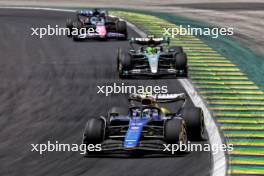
x,y
94,132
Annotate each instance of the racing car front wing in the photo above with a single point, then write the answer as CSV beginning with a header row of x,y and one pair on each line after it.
x,y
110,35
146,145
161,72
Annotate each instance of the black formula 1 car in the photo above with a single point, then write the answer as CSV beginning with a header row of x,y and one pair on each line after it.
x,y
152,58
145,126
96,24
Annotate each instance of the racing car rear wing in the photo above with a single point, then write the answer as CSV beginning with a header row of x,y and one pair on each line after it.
x,y
170,97
159,98
91,12
150,40
152,100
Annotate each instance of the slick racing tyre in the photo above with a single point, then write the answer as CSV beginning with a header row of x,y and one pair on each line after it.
x,y
112,19
94,131
176,49
77,25
69,25
121,27
194,122
175,131
123,63
116,111
181,64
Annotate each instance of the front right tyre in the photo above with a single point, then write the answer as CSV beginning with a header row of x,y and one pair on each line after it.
x,y
194,119
123,63
175,131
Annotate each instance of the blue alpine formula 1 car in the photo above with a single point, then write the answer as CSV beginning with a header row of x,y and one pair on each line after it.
x,y
145,126
97,24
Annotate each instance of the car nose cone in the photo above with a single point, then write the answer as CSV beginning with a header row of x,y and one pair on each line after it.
x,y
153,62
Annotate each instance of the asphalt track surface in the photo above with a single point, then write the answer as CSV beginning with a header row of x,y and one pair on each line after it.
x,y
49,90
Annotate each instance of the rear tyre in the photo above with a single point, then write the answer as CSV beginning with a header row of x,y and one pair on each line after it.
x,y
181,64
112,19
195,123
176,49
121,27
77,26
76,38
116,111
175,132
69,25
94,132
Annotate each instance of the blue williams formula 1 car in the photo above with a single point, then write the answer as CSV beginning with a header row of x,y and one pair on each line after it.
x,y
97,24
152,58
145,126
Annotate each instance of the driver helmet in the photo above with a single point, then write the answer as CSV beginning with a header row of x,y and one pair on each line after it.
x,y
147,113
150,50
136,113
